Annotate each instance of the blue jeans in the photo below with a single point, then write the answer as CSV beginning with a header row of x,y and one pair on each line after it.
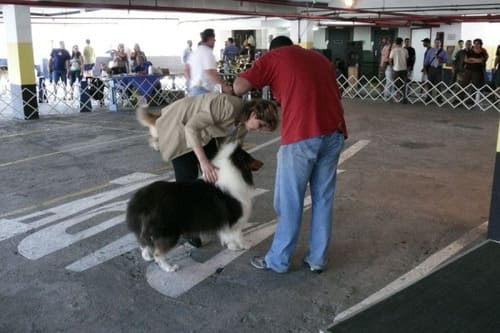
x,y
312,161
197,90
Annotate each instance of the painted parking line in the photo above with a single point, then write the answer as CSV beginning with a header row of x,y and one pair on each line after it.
x,y
112,250
417,273
82,147
55,224
192,273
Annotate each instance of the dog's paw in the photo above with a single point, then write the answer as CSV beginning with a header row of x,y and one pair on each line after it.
x,y
167,267
233,246
147,254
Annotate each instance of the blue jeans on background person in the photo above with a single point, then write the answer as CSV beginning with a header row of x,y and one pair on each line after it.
x,y
312,161
57,74
197,90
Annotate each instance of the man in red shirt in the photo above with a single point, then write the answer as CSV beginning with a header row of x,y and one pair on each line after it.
x,y
312,136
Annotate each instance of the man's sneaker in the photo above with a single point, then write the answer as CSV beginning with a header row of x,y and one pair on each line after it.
x,y
259,263
313,269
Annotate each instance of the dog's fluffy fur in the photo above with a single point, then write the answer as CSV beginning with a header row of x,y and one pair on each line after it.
x,y
148,119
161,212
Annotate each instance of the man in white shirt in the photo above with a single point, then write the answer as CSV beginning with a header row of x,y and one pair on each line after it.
x,y
398,57
202,67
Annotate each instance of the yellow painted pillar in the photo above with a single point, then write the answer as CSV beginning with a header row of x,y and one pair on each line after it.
x,y
20,61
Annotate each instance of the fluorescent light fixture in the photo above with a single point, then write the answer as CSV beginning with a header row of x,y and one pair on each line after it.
x,y
349,3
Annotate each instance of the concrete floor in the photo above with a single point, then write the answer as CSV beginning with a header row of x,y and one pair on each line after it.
x,y
416,179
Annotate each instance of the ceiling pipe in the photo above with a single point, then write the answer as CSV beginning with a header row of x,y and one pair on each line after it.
x,y
405,19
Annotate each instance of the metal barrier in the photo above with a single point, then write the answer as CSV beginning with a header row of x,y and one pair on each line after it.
x,y
129,91
455,95
92,94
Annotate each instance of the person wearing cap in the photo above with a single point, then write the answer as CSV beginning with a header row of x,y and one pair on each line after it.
x,y
438,57
202,67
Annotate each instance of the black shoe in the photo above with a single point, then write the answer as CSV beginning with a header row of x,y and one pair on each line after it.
x,y
195,241
316,270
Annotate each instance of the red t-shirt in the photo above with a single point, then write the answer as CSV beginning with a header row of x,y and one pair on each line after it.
x,y
303,82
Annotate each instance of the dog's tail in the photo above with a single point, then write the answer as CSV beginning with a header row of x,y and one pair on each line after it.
x,y
146,117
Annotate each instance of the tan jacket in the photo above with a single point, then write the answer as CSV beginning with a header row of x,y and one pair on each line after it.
x,y
195,120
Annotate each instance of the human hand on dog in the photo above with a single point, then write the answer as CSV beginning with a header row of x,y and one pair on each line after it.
x,y
209,172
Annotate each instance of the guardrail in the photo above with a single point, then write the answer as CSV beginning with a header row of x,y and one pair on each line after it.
x,y
128,91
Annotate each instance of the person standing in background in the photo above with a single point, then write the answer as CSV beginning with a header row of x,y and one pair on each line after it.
x,y
185,59
435,71
75,68
59,66
202,67
460,46
399,57
88,59
410,63
384,57
136,53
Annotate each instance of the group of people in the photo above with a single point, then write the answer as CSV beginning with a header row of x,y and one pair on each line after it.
x,y
124,61
64,65
313,130
468,63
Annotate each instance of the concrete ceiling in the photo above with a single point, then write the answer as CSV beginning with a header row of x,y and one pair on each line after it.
x,y
372,12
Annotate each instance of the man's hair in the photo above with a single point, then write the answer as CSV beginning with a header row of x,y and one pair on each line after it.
x,y
207,34
265,110
230,40
399,41
279,42
407,39
461,41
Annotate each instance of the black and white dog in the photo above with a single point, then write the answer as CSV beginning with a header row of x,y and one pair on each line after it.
x,y
159,213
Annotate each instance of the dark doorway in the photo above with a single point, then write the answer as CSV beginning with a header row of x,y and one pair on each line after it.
x,y
338,39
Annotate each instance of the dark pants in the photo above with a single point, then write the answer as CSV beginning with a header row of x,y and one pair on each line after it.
x,y
435,75
186,166
400,78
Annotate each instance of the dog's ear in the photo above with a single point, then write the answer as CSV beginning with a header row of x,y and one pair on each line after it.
x,y
255,165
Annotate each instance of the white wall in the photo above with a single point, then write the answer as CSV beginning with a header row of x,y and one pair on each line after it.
x,y
363,34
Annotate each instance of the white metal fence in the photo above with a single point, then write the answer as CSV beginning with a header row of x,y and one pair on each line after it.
x,y
126,92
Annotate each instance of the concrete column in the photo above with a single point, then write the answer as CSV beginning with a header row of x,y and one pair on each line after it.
x,y
301,32
20,61
494,221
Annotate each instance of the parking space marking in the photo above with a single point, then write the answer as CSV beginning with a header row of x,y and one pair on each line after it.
x,y
32,158
14,226
110,251
56,223
192,273
417,273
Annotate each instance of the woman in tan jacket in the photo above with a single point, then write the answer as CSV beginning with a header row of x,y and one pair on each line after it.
x,y
188,129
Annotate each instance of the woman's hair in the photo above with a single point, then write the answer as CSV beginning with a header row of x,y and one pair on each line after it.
x,y
265,110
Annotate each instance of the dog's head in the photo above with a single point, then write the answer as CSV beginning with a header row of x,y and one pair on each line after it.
x,y
244,162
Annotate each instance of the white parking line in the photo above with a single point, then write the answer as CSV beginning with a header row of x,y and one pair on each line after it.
x,y
191,273
417,273
32,158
